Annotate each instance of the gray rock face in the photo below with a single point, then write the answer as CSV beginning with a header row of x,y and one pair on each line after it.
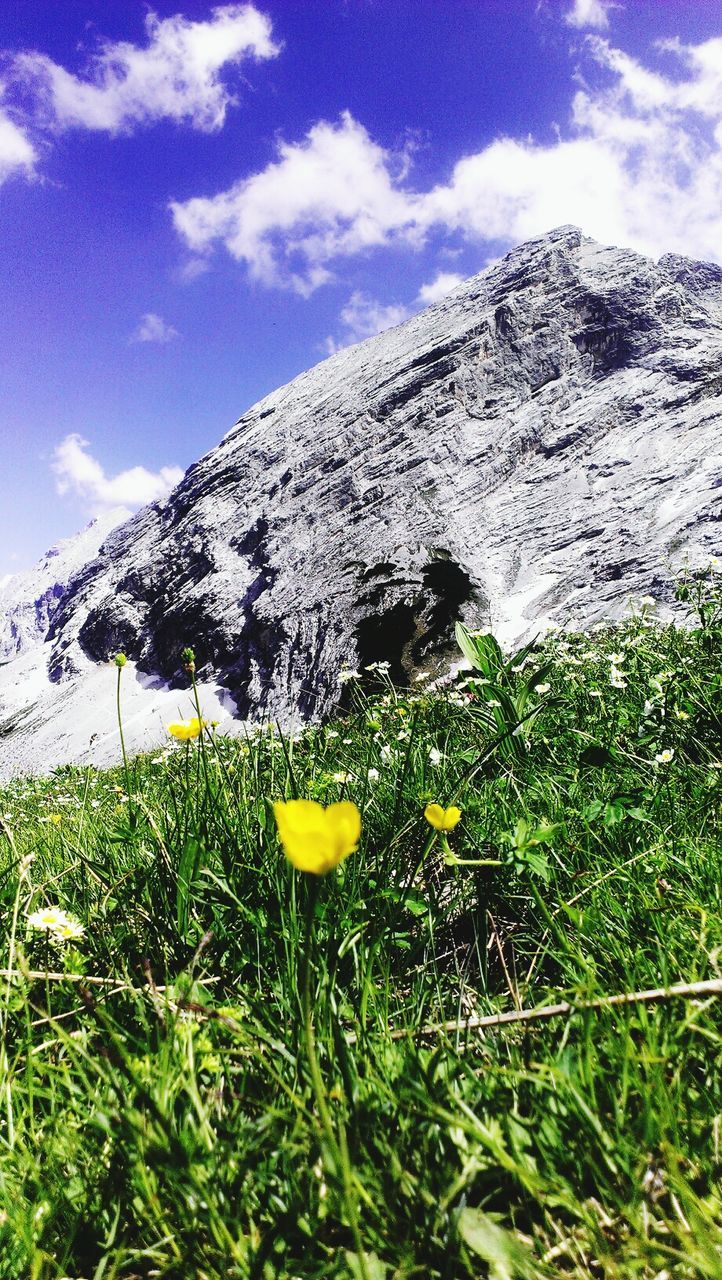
x,y
540,445
28,600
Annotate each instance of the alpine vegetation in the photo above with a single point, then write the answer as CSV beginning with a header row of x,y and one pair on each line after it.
x,y
429,989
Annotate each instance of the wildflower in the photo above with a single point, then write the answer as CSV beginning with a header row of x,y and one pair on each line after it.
x,y
421,676
616,679
595,693
70,930
442,819
343,776
344,676
183,730
315,839
664,757
435,756
542,688
373,775
494,702
331,733
616,659
57,922
681,715
386,751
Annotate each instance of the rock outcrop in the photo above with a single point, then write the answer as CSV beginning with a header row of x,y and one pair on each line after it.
x,y
539,446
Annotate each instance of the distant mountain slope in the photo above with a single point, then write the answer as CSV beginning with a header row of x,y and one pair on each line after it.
x,y
28,600
542,444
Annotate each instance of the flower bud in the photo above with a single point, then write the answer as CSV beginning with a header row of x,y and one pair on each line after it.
x,y
120,659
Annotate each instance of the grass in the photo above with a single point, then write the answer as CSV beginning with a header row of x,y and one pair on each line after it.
x,y
159,1114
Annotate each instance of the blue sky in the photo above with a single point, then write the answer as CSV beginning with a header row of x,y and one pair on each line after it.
x,y
199,201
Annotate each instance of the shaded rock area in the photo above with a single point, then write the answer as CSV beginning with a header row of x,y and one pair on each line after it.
x,y
540,446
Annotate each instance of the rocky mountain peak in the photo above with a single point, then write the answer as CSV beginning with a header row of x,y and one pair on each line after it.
x,y
539,446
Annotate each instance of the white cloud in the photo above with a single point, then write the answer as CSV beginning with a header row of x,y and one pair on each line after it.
x,y
331,195
639,165
153,328
590,13
16,150
175,76
364,317
438,288
80,474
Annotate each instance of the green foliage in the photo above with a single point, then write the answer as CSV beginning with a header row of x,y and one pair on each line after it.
x,y
157,1113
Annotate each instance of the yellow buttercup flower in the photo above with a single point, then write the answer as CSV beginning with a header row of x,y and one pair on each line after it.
x,y
315,839
184,730
442,819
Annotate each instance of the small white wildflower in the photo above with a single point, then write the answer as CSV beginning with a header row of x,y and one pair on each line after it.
x,y
435,756
55,921
664,757
542,688
343,776
493,702
421,676
345,676
331,733
373,775
386,751
595,693
616,679
616,659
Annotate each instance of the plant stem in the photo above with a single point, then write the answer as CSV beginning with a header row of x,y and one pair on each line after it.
x,y
338,1146
122,745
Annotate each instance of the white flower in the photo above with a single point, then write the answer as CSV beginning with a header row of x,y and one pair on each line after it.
x,y
664,757
386,751
343,777
373,775
616,659
345,676
542,688
595,693
57,922
616,679
435,756
421,676
331,733
681,715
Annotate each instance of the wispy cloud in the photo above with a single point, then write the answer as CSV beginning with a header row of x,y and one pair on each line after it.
x,y
590,14
80,474
330,195
639,164
153,328
364,317
438,288
17,154
176,75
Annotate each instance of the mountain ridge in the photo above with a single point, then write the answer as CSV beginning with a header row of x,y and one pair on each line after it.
x,y
533,448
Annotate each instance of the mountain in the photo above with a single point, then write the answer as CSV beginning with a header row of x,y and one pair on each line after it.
x,y
540,446
28,600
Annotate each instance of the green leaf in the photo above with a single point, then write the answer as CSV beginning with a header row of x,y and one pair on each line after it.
x,y
375,1268
187,872
505,1257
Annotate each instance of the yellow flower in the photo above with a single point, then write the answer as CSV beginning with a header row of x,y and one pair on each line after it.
x,y
183,730
442,819
315,839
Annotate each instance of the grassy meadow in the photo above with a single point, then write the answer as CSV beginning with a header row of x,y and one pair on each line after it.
x,y
216,1065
